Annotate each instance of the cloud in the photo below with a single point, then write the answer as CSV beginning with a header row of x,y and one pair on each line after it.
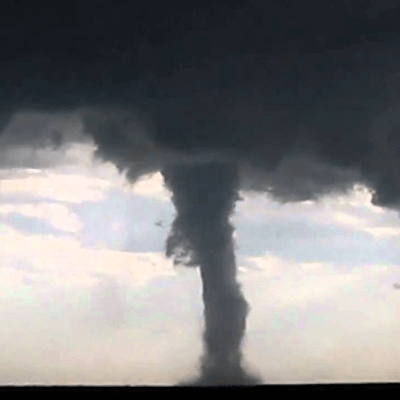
x,y
336,320
296,135
289,283
295,148
40,129
63,261
58,215
109,303
55,346
60,187
383,232
353,211
152,187
35,139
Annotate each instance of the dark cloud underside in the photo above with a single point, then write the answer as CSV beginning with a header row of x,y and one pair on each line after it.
x,y
245,84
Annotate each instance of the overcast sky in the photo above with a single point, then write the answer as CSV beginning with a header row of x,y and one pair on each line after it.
x,y
87,295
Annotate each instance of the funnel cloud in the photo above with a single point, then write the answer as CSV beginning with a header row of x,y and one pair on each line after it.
x,y
204,197
296,101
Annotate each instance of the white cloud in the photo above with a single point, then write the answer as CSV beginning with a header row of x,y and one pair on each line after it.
x,y
295,284
361,196
353,211
57,214
63,261
152,187
319,323
70,188
40,351
348,220
383,232
269,264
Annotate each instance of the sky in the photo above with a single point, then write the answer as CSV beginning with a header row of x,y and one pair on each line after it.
x,y
258,142
88,297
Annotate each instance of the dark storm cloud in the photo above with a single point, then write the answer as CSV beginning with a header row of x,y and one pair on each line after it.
x,y
245,85
298,101
34,139
315,126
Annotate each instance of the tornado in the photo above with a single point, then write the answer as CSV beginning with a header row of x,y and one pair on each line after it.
x,y
202,235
